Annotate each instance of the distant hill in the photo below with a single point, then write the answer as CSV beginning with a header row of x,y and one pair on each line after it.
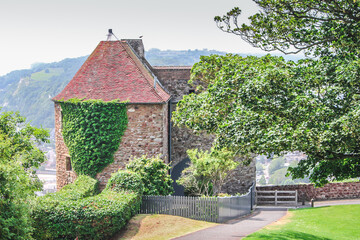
x,y
30,91
158,57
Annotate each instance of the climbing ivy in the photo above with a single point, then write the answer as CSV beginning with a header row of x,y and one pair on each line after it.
x,y
92,131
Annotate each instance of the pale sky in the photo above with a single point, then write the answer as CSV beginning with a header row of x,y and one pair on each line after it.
x,y
51,30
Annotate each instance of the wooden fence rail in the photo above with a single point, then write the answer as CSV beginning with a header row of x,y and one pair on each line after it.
x,y
277,197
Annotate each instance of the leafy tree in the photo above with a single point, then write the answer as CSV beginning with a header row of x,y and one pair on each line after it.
x,y
19,155
276,164
207,171
262,181
278,177
290,26
268,105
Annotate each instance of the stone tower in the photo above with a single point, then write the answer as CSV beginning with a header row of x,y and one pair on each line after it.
x,y
119,70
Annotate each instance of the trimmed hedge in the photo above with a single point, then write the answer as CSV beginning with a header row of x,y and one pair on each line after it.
x,y
83,186
61,216
124,180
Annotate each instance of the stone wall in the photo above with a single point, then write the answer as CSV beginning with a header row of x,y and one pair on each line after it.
x,y
146,133
175,79
306,192
240,179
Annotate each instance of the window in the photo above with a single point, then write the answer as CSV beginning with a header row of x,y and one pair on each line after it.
x,y
68,163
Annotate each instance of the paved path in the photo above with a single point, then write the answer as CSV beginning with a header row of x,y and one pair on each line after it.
x,y
239,228
336,202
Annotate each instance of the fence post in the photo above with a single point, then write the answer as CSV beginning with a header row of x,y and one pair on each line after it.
x,y
275,197
296,198
251,199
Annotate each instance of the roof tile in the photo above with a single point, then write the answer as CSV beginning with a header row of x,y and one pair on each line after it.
x,y
112,72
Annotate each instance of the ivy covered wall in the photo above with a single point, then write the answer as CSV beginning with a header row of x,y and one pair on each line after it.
x,y
92,131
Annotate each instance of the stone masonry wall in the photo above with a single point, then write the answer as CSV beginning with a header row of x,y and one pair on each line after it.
x,y
240,179
175,79
306,192
63,176
144,135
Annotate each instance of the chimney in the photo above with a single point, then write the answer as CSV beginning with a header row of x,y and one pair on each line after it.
x,y
137,45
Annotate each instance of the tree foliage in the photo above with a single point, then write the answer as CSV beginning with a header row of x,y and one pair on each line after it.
x,y
276,164
268,105
290,26
19,156
207,171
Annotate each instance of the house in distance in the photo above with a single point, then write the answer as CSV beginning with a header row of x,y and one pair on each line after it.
x,y
118,70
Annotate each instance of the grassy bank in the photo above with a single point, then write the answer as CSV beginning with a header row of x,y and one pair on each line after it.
x,y
323,223
160,227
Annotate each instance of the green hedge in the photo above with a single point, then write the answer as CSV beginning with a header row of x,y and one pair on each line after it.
x,y
124,180
84,186
61,216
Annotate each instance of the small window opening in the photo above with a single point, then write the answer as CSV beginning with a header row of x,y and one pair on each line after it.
x,y
61,119
68,164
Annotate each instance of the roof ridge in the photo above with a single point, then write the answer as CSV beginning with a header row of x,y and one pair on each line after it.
x,y
114,71
142,68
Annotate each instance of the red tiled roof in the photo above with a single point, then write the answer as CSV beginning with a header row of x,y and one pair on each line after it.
x,y
172,67
111,72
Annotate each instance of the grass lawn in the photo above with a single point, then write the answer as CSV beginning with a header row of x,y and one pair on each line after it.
x,y
160,227
323,223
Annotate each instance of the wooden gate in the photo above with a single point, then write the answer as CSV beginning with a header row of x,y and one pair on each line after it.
x,y
276,197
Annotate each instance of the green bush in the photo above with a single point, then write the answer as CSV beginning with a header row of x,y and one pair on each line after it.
x,y
124,180
83,186
154,173
14,220
60,216
207,171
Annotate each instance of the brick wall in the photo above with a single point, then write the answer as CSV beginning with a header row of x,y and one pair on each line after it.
x,y
329,191
146,133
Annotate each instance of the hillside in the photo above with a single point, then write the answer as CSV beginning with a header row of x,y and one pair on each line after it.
x,y
158,57
30,91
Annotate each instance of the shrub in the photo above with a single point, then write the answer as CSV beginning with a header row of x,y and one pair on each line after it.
x,y
14,220
154,173
207,171
83,186
124,180
60,216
